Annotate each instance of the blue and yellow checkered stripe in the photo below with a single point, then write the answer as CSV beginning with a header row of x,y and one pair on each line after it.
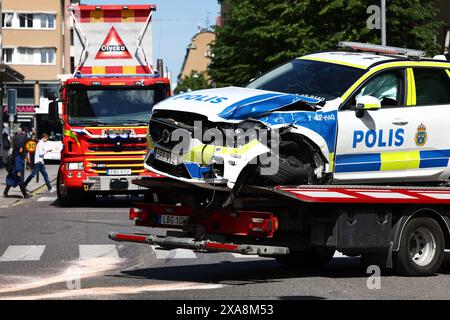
x,y
389,161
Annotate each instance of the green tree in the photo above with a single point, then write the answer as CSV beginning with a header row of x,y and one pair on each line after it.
x,y
195,81
261,34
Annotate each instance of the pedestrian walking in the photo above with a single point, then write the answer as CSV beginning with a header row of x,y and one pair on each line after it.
x,y
19,141
39,164
6,144
16,175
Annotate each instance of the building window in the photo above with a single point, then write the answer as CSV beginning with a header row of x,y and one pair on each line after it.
x,y
46,88
25,93
48,56
26,20
8,55
8,20
35,56
47,21
26,56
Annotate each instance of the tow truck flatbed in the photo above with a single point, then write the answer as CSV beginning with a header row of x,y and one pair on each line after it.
x,y
406,227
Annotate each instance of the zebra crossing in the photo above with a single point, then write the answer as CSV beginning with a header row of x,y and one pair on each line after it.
x,y
85,252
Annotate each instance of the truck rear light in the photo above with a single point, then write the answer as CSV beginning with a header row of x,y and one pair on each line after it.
x,y
136,213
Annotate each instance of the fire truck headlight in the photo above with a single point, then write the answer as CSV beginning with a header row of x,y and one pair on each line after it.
x,y
74,166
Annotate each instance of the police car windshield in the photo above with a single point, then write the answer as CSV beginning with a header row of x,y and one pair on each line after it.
x,y
112,106
326,81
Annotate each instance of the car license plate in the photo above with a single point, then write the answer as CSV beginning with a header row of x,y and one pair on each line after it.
x,y
166,157
118,172
172,220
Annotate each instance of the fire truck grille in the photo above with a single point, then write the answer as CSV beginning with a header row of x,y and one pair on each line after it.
x,y
105,157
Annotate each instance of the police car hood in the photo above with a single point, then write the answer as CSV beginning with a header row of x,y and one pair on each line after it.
x,y
233,104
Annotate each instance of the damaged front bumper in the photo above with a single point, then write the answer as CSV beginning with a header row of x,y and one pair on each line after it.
x,y
208,166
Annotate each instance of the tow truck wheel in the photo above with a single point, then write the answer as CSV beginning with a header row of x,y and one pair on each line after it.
x,y
421,250
66,197
316,257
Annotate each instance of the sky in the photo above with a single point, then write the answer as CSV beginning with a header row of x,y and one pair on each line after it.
x,y
174,24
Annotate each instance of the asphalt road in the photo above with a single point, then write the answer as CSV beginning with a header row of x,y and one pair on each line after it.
x,y
49,252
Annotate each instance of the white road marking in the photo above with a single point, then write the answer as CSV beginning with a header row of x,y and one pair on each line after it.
x,y
47,199
99,251
119,290
22,253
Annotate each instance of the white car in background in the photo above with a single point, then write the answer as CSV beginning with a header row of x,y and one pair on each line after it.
x,y
54,144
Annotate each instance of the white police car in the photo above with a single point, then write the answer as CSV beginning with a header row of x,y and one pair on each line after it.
x,y
368,115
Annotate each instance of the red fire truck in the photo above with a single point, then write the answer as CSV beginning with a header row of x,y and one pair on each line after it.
x,y
106,103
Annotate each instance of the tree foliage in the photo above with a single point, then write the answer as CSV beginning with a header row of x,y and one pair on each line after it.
x,y
261,34
195,81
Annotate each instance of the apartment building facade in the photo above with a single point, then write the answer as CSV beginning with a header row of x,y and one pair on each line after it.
x,y
198,54
36,41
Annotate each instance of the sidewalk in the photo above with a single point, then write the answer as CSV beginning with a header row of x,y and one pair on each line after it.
x,y
15,194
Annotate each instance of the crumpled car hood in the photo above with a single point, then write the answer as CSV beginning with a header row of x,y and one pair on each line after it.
x,y
231,104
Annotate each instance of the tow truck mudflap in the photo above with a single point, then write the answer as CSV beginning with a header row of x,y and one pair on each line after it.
x,y
171,242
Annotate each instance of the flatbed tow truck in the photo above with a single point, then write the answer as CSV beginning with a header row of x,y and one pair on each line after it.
x,y
401,227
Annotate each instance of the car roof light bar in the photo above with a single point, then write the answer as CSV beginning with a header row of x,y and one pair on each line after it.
x,y
367,47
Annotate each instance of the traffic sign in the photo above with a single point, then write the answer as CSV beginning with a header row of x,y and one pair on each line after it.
x,y
30,146
12,101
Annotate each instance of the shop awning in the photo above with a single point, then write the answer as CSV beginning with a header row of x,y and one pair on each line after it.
x,y
8,74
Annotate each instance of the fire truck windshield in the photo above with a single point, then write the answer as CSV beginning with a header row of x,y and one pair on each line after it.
x,y
112,105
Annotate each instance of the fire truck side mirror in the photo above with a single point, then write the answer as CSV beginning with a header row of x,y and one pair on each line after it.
x,y
52,96
53,111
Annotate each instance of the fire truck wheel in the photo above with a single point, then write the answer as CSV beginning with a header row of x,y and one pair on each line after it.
x,y
66,197
421,250
316,257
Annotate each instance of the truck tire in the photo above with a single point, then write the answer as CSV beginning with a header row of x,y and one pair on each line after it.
x,y
315,258
421,251
66,198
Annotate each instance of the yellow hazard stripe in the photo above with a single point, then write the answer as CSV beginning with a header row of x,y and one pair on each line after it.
x,y
331,161
112,153
448,72
116,127
73,135
98,70
203,153
390,65
129,69
97,16
127,16
123,165
104,171
400,160
411,95
115,159
348,64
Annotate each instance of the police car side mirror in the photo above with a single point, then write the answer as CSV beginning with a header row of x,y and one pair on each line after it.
x,y
366,103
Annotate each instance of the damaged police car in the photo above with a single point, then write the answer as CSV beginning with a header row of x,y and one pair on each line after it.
x,y
367,115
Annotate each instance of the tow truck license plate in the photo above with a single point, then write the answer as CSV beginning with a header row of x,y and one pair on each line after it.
x,y
118,172
172,220
166,157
